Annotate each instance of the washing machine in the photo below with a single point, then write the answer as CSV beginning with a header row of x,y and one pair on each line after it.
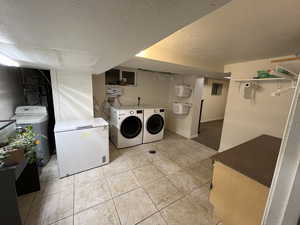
x,y
154,124
37,117
126,126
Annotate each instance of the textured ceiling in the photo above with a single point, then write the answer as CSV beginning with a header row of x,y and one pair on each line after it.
x,y
85,34
240,31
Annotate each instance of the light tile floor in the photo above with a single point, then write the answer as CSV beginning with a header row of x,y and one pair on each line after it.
x,y
167,188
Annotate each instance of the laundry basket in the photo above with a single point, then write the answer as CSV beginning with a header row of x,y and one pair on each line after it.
x,y
181,108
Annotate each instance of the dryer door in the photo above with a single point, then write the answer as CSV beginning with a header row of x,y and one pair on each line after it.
x,y
155,124
131,127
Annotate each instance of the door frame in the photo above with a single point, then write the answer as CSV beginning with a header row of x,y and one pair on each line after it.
x,y
282,207
200,116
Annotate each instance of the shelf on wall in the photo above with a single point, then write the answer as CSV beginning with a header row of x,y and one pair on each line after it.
x,y
259,79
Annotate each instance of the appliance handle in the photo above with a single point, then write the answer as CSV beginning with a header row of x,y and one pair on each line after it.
x,y
84,127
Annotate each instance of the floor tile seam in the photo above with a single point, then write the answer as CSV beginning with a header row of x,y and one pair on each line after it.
x,y
102,202
164,219
146,218
183,195
92,206
106,179
115,206
119,195
106,176
65,217
113,201
153,181
157,210
142,186
171,203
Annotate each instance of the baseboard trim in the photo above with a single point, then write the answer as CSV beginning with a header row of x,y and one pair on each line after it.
x,y
204,121
193,136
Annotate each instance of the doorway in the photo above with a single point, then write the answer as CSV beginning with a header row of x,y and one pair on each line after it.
x,y
37,91
212,111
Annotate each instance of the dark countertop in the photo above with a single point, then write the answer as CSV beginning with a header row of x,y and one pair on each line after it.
x,y
255,158
18,168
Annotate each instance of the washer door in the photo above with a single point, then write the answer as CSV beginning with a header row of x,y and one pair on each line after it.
x,y
131,127
155,124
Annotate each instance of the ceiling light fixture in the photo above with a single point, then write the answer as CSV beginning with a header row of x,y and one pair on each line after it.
x,y
4,60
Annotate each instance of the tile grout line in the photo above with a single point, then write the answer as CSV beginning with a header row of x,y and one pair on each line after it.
x,y
90,207
151,201
164,219
117,212
112,199
97,204
158,211
151,162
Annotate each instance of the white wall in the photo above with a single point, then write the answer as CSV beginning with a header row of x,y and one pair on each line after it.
x,y
183,124
266,115
198,94
214,105
11,91
72,94
283,204
98,83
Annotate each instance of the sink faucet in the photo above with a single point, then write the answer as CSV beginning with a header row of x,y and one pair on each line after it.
x,y
139,101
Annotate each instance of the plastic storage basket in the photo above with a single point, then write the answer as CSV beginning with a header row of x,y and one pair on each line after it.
x,y
180,108
183,91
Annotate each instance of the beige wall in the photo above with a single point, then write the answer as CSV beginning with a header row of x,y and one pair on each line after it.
x,y
166,55
153,88
266,115
214,105
72,94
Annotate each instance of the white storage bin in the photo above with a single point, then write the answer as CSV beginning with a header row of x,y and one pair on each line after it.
x,y
181,108
183,91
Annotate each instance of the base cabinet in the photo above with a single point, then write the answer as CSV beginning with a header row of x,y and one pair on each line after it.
x,y
237,198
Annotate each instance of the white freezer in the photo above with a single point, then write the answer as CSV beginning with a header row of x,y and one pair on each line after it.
x,y
81,145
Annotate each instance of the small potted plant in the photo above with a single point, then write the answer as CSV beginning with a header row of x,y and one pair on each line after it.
x,y
26,140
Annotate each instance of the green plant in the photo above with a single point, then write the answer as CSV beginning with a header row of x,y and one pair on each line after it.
x,y
26,140
3,154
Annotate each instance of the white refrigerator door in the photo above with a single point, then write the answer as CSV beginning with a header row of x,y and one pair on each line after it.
x,y
80,150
